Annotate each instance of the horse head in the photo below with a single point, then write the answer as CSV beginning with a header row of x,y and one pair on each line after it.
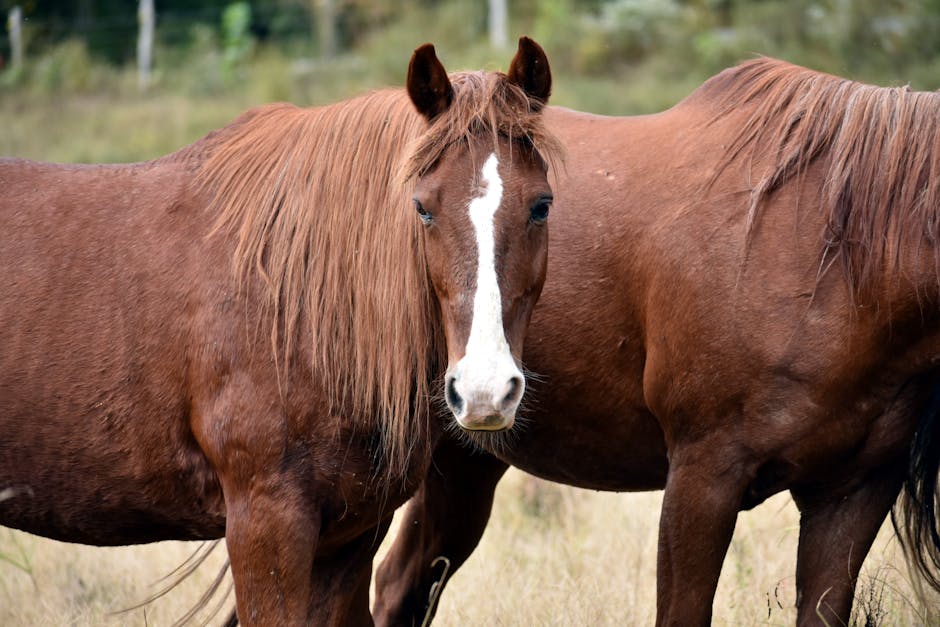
x,y
483,199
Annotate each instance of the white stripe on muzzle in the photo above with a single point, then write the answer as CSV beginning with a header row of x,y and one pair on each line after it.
x,y
486,380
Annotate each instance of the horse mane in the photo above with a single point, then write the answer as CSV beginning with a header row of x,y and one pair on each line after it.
x,y
882,147
318,202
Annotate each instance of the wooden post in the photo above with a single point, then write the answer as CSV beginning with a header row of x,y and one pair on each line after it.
x,y
498,17
14,26
146,17
325,11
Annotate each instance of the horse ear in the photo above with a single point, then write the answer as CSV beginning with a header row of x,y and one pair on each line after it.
x,y
428,86
529,70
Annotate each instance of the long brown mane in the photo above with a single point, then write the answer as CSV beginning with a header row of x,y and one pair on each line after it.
x,y
882,147
319,203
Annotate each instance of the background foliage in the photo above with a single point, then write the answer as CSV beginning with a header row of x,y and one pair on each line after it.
x,y
661,47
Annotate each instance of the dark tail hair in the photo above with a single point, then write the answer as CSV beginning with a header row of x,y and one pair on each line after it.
x,y
915,514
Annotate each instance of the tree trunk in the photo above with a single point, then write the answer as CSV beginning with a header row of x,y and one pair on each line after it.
x,y
325,12
14,26
146,17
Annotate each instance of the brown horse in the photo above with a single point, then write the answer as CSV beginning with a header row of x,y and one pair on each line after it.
x,y
742,298
242,338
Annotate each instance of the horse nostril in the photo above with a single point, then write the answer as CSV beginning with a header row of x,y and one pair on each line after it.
x,y
513,394
453,397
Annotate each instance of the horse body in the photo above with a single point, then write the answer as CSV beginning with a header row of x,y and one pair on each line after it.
x,y
242,338
697,336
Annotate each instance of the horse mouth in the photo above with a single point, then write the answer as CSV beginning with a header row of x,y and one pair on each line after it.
x,y
490,422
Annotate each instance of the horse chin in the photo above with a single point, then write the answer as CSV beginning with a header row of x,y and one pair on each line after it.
x,y
495,441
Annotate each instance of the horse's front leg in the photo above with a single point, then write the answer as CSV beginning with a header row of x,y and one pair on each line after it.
x,y
703,494
271,533
837,529
445,519
272,516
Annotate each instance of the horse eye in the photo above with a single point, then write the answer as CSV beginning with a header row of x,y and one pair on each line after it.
x,y
538,213
423,213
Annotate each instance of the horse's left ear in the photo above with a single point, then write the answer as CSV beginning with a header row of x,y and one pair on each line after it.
x,y
428,86
529,70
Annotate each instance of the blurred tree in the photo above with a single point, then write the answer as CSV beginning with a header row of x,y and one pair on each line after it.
x,y
325,12
586,36
237,43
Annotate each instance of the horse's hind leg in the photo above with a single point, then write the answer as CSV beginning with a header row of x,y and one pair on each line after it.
x,y
446,518
836,532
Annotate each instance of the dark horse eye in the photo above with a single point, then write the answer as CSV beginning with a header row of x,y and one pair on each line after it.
x,y
423,213
538,213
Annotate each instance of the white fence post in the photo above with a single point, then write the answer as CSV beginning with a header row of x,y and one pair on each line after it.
x,y
146,17
15,28
498,17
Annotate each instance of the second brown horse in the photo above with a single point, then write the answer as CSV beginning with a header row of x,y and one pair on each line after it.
x,y
742,298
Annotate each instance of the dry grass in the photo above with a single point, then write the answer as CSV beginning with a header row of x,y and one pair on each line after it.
x,y
590,559
55,583
553,555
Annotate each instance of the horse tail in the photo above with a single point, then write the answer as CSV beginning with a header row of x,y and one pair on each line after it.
x,y
916,513
211,592
183,572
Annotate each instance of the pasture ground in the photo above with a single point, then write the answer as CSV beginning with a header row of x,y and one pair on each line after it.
x,y
552,555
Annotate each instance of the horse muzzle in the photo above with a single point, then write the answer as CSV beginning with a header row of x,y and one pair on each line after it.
x,y
484,399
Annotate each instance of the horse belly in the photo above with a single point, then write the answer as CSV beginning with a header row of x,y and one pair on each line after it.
x,y
587,425
92,479
620,451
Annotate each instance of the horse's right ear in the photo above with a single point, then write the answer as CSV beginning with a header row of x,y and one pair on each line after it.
x,y
428,86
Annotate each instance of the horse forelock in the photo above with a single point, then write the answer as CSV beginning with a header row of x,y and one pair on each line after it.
x,y
318,203
484,103
881,147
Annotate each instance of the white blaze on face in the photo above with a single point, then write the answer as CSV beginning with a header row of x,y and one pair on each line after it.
x,y
487,378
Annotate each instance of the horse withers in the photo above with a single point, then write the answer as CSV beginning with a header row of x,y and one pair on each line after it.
x,y
243,338
741,299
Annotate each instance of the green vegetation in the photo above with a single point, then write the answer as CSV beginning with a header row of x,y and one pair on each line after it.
x,y
76,98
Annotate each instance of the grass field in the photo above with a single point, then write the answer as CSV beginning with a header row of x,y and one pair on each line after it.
x,y
553,555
